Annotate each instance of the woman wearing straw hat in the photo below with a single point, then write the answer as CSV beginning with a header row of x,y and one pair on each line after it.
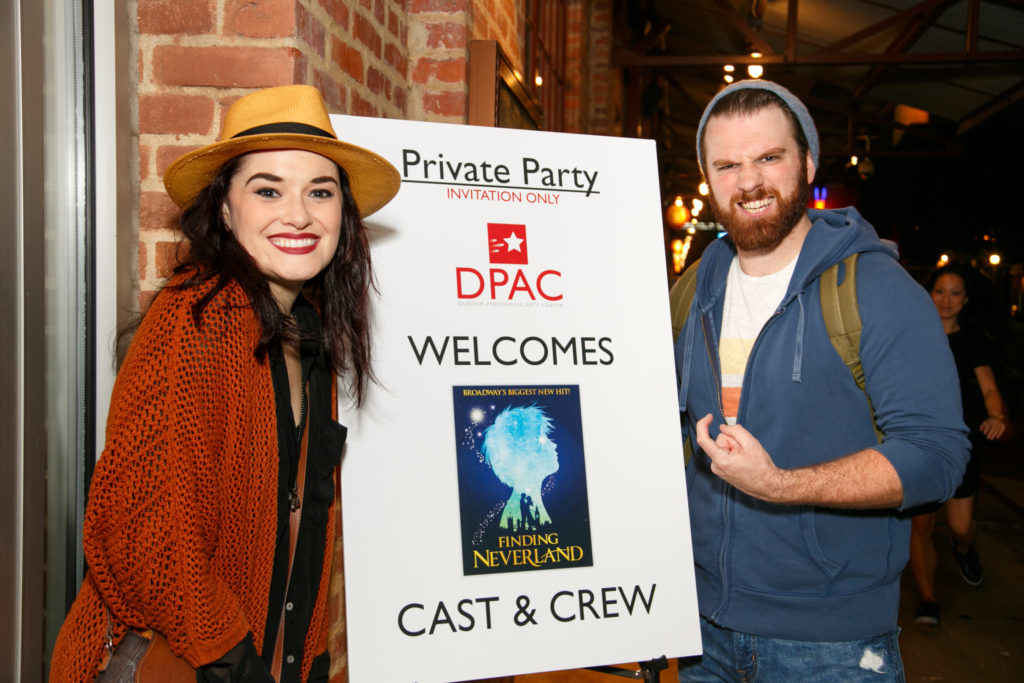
x,y
211,512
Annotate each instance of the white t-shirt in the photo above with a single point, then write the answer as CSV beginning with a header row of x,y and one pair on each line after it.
x,y
749,302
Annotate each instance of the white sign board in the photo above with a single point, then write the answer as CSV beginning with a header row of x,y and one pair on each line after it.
x,y
513,488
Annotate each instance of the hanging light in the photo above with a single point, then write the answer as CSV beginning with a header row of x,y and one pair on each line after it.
x,y
679,250
755,70
676,214
698,205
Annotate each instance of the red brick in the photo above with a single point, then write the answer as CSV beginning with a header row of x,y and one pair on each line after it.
x,y
179,114
446,34
338,11
168,154
157,212
143,260
334,94
394,23
261,18
146,297
226,67
376,81
366,33
175,16
143,162
379,11
224,103
300,72
361,107
419,6
445,71
348,59
400,98
310,30
445,103
168,257
394,56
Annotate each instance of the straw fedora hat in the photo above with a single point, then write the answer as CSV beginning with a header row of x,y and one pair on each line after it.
x,y
285,117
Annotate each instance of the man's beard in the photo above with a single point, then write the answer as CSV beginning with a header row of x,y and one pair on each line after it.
x,y
763,233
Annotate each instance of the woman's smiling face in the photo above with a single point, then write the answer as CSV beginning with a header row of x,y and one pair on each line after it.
x,y
284,208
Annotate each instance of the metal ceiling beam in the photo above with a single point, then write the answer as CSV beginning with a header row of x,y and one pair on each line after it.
x,y
791,32
626,57
994,106
910,34
741,25
659,28
878,27
973,17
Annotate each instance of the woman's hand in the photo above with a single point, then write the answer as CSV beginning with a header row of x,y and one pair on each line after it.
x,y
994,427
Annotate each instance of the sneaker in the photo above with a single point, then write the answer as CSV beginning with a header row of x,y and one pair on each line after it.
x,y
927,614
970,565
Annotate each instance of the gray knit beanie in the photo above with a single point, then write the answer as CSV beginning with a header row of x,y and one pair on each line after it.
x,y
795,105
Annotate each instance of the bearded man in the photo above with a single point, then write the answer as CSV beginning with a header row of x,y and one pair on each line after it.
x,y
795,503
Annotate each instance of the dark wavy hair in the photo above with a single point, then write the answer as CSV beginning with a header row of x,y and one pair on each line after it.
x,y
341,291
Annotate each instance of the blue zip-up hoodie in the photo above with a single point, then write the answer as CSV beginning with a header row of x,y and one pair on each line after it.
x,y
803,572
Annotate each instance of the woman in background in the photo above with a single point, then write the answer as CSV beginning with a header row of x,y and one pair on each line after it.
x,y
211,512
985,416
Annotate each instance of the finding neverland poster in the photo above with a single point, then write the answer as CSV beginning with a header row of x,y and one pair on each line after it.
x,y
522,478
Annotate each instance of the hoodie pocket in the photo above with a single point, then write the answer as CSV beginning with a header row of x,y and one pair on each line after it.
x,y
810,535
778,550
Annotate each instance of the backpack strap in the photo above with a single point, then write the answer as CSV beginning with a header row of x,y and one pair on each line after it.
x,y
842,322
680,298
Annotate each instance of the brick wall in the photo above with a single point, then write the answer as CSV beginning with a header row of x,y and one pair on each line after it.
x,y
577,66
604,82
440,31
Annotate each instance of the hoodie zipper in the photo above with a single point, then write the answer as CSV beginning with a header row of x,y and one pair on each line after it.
x,y
729,501
723,565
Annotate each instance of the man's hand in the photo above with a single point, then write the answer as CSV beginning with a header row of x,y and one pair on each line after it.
x,y
861,480
738,458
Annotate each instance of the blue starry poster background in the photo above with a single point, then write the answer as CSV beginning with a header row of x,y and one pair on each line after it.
x,y
483,496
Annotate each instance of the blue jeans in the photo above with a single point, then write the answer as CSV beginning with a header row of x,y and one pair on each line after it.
x,y
742,658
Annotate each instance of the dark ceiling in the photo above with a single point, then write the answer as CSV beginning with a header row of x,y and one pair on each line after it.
x,y
859,65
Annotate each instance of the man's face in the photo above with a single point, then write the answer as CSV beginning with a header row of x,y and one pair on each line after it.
x,y
759,181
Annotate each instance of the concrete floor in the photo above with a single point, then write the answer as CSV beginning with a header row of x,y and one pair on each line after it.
x,y
980,637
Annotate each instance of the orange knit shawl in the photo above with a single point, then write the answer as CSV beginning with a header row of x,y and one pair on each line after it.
x,y
180,525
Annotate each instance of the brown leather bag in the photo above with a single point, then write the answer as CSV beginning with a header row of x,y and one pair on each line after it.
x,y
144,657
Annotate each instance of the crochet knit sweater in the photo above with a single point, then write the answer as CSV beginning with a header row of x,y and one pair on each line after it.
x,y
180,526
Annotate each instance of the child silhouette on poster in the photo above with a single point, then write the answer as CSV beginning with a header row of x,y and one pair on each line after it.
x,y
517,449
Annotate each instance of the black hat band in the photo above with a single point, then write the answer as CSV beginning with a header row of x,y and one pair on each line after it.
x,y
285,127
